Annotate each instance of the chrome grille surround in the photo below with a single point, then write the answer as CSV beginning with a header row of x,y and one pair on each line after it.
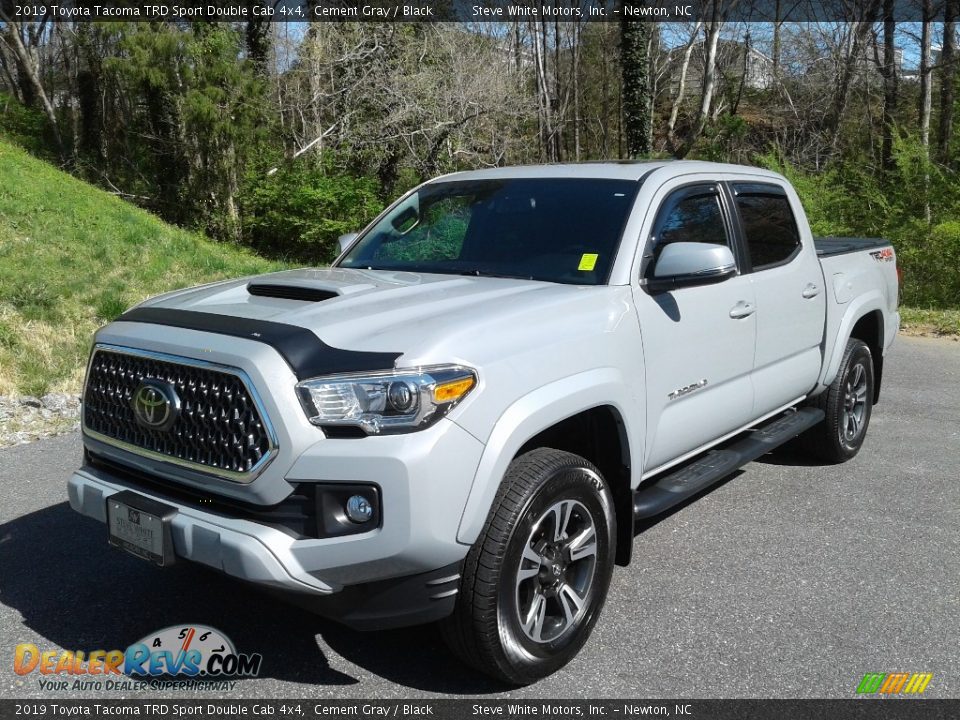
x,y
223,429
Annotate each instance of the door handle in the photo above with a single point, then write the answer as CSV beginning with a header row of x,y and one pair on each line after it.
x,y
742,309
810,291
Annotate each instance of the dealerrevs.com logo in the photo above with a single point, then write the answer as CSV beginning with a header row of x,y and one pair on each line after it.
x,y
180,656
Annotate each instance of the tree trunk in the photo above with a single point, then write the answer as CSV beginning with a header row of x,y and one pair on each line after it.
x,y
672,140
605,97
859,32
6,65
635,72
545,104
31,73
926,96
743,74
560,109
576,92
948,62
652,53
709,81
775,50
890,84
258,39
89,92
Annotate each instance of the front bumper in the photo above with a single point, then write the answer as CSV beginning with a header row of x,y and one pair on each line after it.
x,y
241,548
403,572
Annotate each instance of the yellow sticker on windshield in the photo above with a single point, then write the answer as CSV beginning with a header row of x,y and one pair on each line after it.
x,y
587,261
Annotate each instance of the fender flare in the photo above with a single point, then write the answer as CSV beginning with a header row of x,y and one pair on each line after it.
x,y
863,305
533,413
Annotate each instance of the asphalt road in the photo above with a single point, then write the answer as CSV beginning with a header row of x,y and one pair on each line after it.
x,y
788,580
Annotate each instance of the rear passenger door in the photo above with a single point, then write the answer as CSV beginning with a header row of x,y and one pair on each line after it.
x,y
788,285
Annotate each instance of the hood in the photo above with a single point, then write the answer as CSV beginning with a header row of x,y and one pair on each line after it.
x,y
427,317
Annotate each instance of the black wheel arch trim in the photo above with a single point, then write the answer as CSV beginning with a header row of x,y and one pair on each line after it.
x,y
306,354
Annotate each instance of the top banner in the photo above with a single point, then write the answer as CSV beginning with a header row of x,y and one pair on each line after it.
x,y
469,11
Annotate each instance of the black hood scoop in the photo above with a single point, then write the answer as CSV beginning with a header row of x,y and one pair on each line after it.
x,y
290,292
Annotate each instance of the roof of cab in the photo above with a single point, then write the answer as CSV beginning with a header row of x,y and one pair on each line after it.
x,y
614,170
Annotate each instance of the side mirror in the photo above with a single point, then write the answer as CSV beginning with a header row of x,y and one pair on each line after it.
x,y
682,264
346,240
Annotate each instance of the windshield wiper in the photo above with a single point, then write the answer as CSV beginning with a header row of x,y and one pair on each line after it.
x,y
487,273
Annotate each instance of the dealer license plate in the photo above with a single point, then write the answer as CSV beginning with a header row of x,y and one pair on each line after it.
x,y
137,530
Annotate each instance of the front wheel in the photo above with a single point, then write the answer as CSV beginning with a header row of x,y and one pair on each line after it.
x,y
847,404
535,581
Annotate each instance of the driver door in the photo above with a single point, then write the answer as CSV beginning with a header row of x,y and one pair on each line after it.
x,y
698,341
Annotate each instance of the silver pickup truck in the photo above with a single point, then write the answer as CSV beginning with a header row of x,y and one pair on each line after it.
x,y
462,419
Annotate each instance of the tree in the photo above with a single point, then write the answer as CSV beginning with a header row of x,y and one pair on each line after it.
x,y
192,111
948,61
888,69
709,81
12,36
635,78
925,100
673,142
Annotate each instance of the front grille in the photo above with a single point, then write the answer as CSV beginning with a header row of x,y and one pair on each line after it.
x,y
219,428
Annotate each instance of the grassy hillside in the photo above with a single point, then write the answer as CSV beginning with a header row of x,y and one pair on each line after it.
x,y
72,258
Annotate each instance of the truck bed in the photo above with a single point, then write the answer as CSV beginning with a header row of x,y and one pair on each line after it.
x,y
829,246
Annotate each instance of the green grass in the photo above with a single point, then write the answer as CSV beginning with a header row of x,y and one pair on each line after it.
x,y
913,320
72,258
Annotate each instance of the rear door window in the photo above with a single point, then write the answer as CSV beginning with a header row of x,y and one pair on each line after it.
x,y
769,227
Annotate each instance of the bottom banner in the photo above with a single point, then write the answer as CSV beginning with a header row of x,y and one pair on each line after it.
x,y
894,709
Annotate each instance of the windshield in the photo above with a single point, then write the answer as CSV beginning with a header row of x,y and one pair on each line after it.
x,y
564,230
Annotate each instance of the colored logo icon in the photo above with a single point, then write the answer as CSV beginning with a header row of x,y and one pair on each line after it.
x,y
894,683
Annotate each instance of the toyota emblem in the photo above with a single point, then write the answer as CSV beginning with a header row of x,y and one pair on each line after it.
x,y
156,405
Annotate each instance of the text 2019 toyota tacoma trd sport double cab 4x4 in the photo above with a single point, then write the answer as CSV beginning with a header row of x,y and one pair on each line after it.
x,y
463,417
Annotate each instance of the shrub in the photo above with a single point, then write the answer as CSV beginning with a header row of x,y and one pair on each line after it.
x,y
300,212
848,199
931,266
26,127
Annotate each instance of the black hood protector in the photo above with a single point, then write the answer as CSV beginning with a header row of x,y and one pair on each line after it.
x,y
306,354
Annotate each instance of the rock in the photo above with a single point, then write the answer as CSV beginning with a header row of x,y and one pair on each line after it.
x,y
25,419
55,401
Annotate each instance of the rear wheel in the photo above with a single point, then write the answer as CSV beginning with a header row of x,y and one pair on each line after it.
x,y
534,583
847,404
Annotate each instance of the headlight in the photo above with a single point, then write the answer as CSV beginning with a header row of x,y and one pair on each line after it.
x,y
385,402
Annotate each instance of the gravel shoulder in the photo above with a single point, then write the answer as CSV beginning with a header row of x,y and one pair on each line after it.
x,y
25,419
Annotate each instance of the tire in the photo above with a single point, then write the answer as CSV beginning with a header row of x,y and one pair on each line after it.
x,y
847,403
536,579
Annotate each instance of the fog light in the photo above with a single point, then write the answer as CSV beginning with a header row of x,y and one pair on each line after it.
x,y
359,509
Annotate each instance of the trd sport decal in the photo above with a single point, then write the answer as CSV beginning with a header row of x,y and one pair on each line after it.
x,y
692,387
885,255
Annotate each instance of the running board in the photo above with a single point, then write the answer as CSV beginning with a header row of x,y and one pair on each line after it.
x,y
677,486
